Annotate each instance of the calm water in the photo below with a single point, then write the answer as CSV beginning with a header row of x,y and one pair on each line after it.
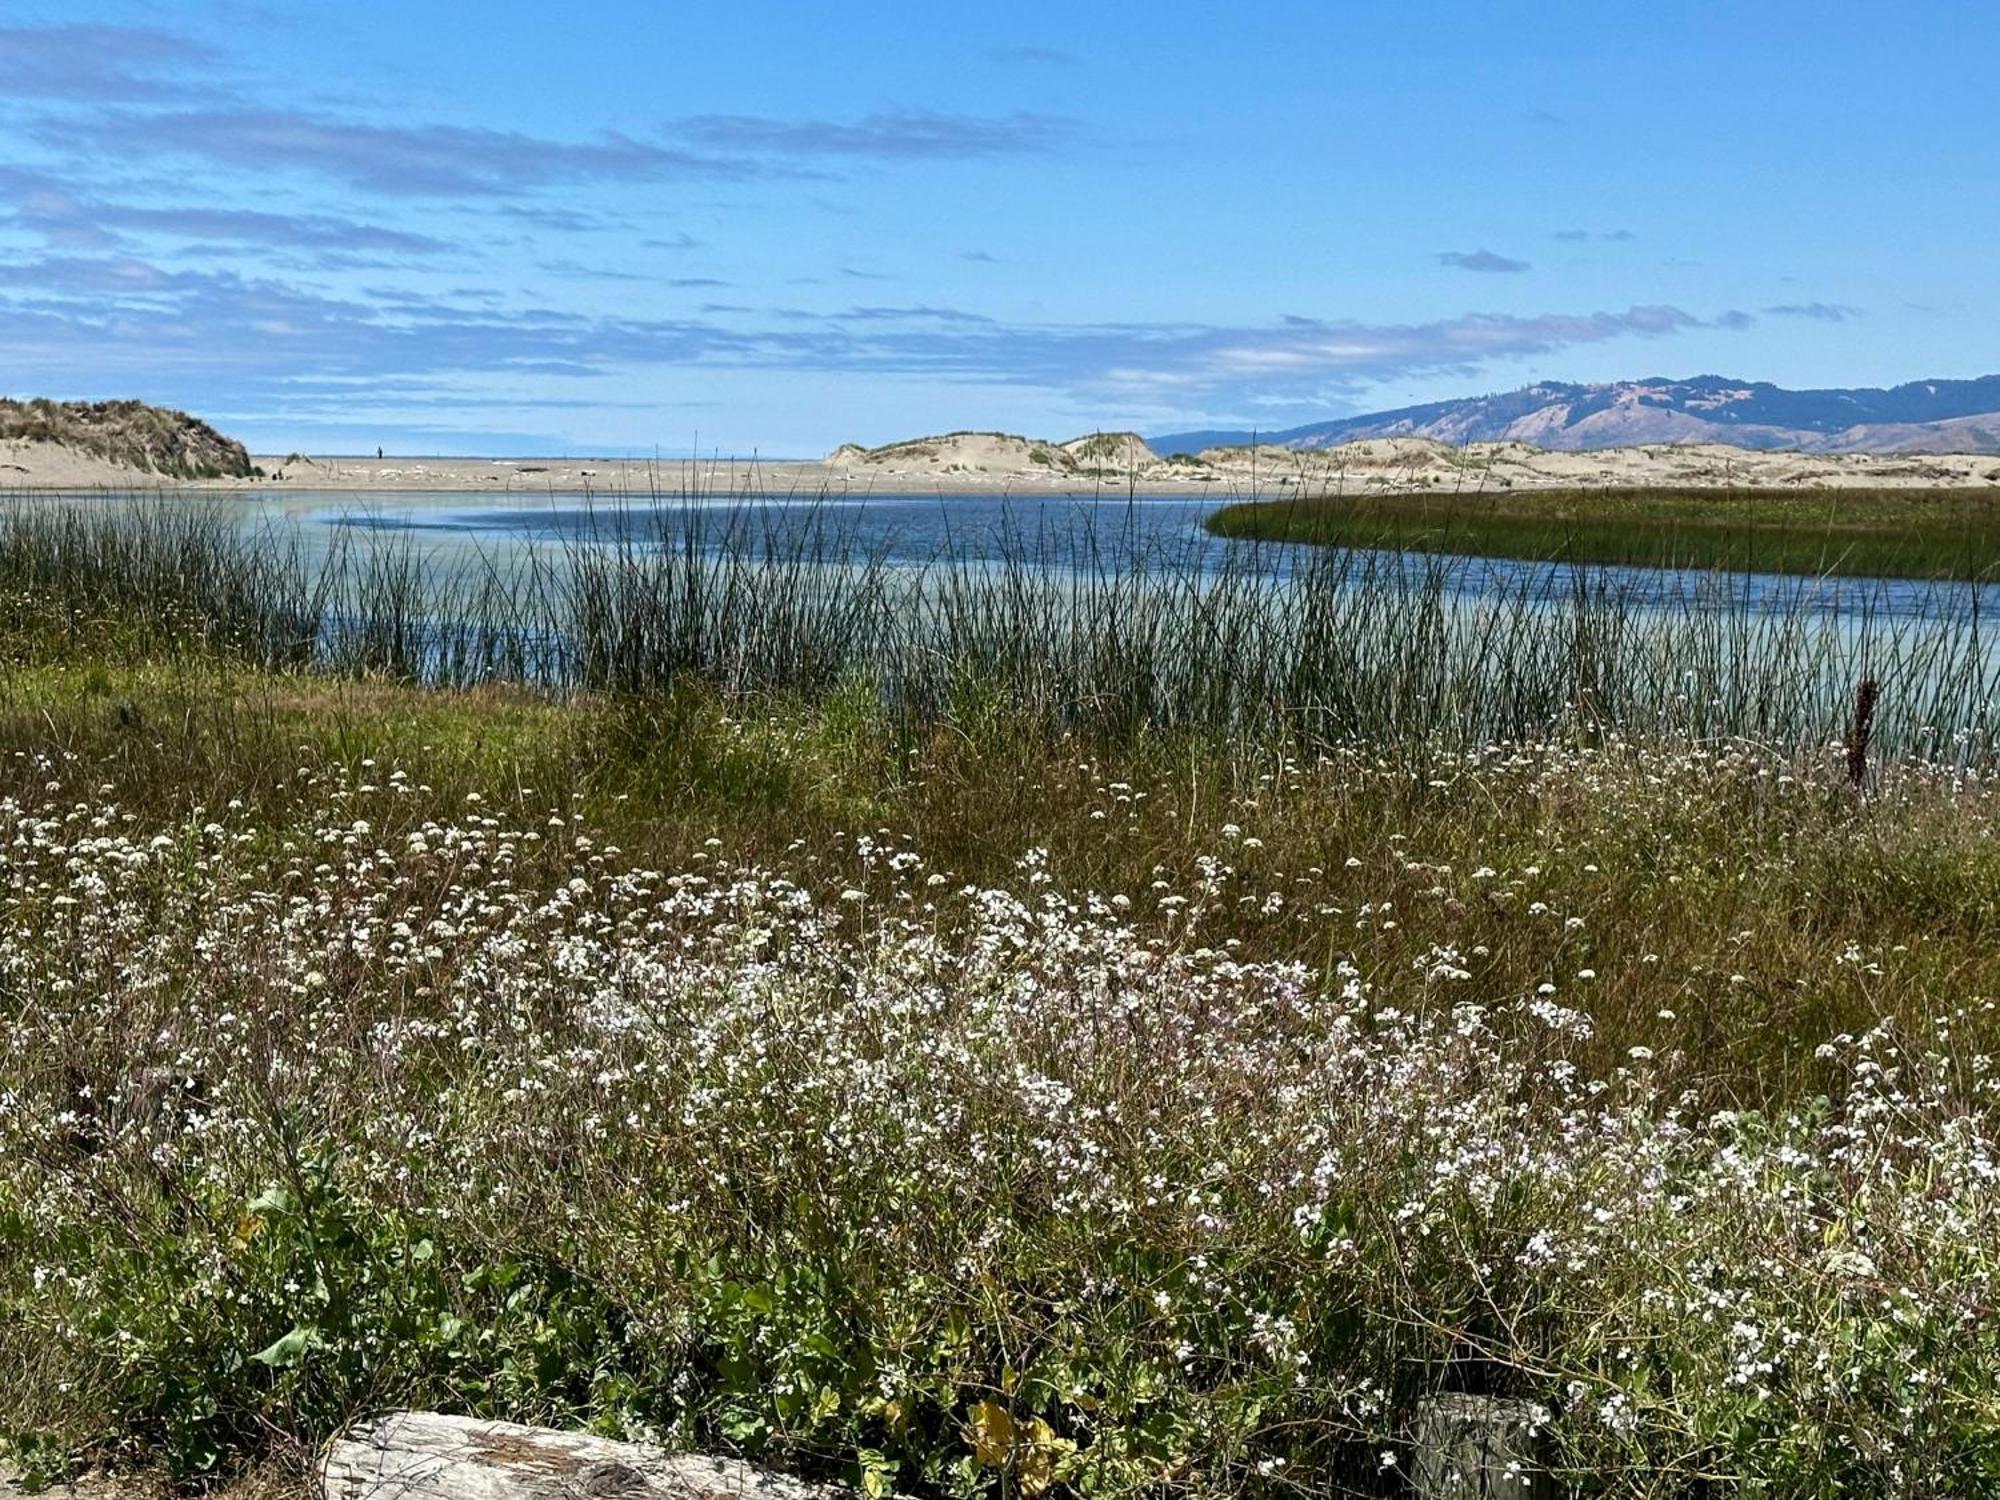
x,y
1053,532
910,530
1104,535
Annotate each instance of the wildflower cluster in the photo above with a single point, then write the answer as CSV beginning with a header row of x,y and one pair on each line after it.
x,y
934,1183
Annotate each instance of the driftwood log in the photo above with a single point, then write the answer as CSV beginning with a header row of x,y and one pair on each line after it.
x,y
1468,1448
420,1455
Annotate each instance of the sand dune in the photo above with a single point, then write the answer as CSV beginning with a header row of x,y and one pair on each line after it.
x,y
975,463
26,463
1388,464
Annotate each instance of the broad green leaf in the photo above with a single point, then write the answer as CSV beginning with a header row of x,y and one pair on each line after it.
x,y
290,1349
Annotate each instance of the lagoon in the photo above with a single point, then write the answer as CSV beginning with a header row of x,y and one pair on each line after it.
x,y
1099,534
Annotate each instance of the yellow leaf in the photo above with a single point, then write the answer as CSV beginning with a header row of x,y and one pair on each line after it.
x,y
991,1434
1036,1462
1037,1470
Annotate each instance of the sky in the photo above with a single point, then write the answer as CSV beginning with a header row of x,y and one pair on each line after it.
x,y
627,226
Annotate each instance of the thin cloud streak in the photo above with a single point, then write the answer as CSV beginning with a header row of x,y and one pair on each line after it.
x,y
96,64
407,161
1484,261
890,135
1820,312
77,223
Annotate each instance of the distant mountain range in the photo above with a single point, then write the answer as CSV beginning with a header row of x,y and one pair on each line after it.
x,y
1925,416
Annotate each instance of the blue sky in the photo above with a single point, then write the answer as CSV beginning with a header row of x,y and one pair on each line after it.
x,y
610,225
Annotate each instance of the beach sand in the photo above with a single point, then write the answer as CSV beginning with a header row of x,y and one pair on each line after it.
x,y
985,464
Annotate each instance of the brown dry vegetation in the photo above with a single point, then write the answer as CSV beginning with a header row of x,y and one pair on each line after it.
x,y
150,439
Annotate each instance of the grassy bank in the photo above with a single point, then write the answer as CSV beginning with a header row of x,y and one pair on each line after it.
x,y
1926,534
982,1100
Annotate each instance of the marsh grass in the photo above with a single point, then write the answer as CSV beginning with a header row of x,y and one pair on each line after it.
x,y
1888,533
1305,648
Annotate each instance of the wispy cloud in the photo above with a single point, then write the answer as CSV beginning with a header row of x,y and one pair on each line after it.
x,y
96,64
903,134
69,321
1449,345
70,222
1484,261
577,270
441,161
317,231
1823,312
560,220
920,313
1577,236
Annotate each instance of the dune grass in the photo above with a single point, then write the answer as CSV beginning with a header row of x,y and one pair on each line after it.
x,y
959,1078
148,439
1889,533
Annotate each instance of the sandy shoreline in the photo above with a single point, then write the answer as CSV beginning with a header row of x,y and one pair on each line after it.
x,y
1383,465
667,477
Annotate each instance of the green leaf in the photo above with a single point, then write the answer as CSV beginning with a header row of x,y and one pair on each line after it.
x,y
743,1425
290,1349
878,1473
273,1200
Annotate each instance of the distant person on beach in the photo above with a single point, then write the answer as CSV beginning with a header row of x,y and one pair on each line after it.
x,y
378,450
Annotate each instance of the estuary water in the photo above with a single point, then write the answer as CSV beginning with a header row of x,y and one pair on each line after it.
x,y
1104,535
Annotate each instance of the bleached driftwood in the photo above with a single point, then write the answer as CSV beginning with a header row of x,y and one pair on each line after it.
x,y
420,1455
1468,1448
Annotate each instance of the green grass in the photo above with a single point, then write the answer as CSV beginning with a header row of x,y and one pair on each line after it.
x,y
1725,911
1726,861
1910,533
